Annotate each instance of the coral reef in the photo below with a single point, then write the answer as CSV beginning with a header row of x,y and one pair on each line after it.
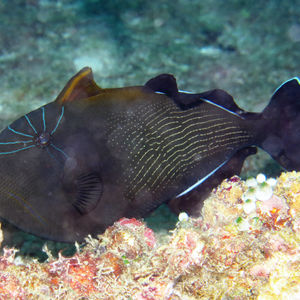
x,y
245,246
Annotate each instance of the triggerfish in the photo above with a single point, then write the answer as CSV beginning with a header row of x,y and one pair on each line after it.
x,y
74,166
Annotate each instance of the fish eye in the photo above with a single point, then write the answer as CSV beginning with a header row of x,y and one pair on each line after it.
x,y
42,140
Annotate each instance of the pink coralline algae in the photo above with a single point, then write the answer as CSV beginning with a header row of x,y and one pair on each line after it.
x,y
245,246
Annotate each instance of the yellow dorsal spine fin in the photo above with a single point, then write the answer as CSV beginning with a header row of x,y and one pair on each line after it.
x,y
80,86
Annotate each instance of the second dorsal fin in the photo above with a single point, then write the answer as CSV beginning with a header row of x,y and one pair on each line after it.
x,y
80,86
163,83
166,84
221,98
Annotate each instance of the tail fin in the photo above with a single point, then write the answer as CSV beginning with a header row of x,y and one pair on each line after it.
x,y
281,136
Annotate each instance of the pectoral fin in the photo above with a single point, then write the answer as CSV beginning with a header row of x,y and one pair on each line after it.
x,y
89,191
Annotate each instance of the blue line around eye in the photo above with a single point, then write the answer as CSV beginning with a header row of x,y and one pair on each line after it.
x,y
16,142
43,116
58,149
52,156
59,119
20,133
26,117
17,150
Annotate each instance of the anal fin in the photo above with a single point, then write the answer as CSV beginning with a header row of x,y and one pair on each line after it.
x,y
192,202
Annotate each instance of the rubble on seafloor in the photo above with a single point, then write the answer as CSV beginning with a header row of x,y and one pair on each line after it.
x,y
245,246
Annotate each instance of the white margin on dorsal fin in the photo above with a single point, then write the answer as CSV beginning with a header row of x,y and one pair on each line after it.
x,y
293,78
217,105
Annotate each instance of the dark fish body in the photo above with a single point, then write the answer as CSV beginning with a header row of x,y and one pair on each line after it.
x,y
76,165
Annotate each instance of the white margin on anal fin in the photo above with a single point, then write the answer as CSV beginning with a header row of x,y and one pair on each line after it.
x,y
202,180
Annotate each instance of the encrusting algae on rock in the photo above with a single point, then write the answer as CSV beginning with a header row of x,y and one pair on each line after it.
x,y
245,246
